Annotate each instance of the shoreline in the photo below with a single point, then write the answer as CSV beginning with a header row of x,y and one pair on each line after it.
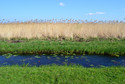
x,y
64,47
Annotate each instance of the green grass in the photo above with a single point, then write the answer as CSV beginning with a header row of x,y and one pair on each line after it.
x,y
61,75
102,47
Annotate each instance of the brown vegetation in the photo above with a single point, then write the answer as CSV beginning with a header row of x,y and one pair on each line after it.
x,y
62,30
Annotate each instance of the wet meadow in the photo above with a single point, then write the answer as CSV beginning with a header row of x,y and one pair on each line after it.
x,y
62,52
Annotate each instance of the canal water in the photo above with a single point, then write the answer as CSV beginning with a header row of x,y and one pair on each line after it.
x,y
86,61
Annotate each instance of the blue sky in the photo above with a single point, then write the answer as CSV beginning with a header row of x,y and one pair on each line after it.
x,y
66,9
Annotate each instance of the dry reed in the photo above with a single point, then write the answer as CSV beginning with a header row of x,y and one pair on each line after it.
x,y
62,30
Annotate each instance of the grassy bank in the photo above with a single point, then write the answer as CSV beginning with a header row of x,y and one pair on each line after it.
x,y
61,75
103,47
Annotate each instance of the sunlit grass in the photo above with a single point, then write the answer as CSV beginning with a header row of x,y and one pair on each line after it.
x,y
40,47
61,75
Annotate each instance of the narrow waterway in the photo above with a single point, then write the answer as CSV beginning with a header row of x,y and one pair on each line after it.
x,y
86,61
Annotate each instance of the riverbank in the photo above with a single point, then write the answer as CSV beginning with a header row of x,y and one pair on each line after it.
x,y
52,47
61,74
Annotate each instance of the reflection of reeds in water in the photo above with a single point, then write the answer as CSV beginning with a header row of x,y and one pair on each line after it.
x,y
62,30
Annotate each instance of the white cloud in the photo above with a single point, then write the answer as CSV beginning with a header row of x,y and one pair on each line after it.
x,y
96,13
91,13
124,9
61,4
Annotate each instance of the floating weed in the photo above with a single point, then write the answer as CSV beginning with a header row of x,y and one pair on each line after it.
x,y
15,55
30,58
55,54
7,57
5,63
57,58
66,60
72,57
64,63
8,54
82,57
37,56
86,60
92,65
48,57
66,56
77,57
113,60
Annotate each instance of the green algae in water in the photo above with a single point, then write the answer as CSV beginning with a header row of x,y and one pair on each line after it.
x,y
15,55
66,60
5,63
92,65
57,58
66,56
37,56
72,57
77,57
48,57
8,55
113,60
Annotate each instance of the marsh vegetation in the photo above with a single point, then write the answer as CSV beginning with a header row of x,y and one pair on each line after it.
x,y
62,29
56,47
66,38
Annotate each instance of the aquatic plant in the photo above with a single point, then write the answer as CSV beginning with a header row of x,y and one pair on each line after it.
x,y
92,65
8,55
37,56
57,58
48,57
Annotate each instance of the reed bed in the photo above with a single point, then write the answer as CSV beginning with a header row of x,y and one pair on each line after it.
x,y
62,30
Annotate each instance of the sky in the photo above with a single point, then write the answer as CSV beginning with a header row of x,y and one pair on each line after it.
x,y
23,10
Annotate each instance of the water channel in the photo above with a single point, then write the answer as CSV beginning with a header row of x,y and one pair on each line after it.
x,y
86,61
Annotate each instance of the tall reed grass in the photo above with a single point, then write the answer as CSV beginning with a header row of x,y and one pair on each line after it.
x,y
62,30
